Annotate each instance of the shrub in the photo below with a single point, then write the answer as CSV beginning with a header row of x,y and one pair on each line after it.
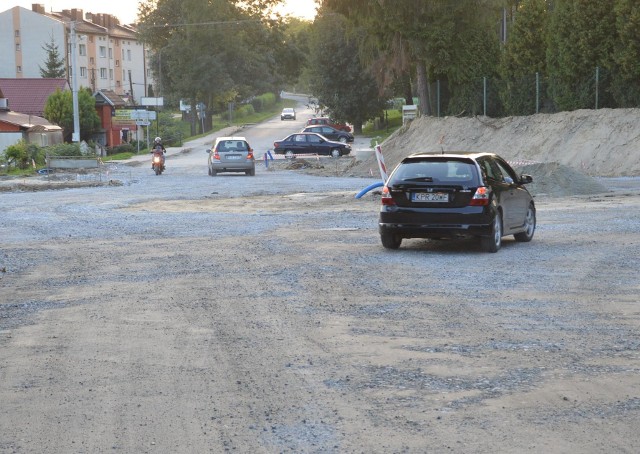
x,y
263,102
122,148
64,149
245,110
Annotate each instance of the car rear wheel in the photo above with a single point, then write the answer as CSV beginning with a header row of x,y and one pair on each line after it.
x,y
493,242
390,240
289,154
529,226
251,172
213,173
336,153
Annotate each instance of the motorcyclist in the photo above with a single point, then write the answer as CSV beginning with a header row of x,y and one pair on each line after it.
x,y
157,145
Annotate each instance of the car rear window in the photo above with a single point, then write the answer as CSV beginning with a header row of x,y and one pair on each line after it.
x,y
441,170
233,145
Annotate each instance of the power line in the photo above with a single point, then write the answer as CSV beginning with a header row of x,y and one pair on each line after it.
x,y
238,22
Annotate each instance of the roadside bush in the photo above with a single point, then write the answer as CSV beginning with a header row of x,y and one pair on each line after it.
x,y
263,102
64,149
170,130
122,148
18,154
245,111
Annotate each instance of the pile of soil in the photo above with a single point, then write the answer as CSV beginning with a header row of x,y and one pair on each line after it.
x,y
562,151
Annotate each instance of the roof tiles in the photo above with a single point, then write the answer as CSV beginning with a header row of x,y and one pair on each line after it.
x,y
28,96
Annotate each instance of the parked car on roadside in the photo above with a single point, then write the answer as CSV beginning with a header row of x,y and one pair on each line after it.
x,y
288,113
450,195
331,133
316,121
310,143
231,154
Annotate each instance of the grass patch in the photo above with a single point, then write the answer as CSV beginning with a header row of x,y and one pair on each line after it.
x,y
379,133
120,156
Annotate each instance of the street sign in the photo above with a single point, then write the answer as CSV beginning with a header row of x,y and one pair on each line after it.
x,y
142,123
152,102
145,115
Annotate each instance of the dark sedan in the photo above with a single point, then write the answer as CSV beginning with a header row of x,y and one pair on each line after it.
x,y
310,143
443,196
331,133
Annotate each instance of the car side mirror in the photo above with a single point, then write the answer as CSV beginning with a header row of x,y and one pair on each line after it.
x,y
525,179
207,150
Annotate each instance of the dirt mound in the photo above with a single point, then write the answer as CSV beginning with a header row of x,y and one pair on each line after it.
x,y
571,145
557,180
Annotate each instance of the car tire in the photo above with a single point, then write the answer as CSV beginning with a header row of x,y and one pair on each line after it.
x,y
213,173
390,240
529,226
289,154
209,170
336,153
493,242
251,172
342,139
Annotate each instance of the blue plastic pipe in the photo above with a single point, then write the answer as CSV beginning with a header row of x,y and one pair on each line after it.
x,y
369,188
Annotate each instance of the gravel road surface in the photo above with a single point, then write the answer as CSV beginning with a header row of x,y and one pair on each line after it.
x,y
185,313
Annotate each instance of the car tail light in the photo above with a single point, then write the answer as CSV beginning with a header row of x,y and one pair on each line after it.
x,y
481,197
386,198
216,155
250,154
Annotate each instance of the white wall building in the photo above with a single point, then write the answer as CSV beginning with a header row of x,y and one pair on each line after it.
x,y
109,55
23,34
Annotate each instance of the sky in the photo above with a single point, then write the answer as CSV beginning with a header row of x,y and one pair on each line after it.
x,y
127,10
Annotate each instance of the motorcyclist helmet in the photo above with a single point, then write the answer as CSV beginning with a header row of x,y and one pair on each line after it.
x,y
158,140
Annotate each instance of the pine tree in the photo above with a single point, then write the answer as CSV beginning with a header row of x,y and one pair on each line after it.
x,y
55,65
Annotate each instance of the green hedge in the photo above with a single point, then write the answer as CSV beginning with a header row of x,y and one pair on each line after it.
x,y
263,102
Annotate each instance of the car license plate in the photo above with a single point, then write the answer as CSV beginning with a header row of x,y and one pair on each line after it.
x,y
235,156
430,197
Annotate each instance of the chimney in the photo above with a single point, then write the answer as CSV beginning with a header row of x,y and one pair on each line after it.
x,y
77,14
4,105
37,8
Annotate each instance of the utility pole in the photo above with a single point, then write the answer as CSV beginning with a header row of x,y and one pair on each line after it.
x,y
74,84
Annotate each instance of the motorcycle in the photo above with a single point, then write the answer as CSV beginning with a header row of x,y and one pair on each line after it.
x,y
157,160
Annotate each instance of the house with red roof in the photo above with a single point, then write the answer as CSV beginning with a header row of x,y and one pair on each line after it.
x,y
29,96
17,126
117,127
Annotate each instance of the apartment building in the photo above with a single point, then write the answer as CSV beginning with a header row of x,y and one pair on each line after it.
x,y
108,54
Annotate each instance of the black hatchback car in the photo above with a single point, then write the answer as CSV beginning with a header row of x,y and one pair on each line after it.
x,y
443,196
310,143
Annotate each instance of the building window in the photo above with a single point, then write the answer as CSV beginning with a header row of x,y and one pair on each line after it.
x,y
91,39
103,73
83,72
92,60
18,69
110,53
129,54
103,52
17,34
117,83
110,74
82,49
17,47
117,62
